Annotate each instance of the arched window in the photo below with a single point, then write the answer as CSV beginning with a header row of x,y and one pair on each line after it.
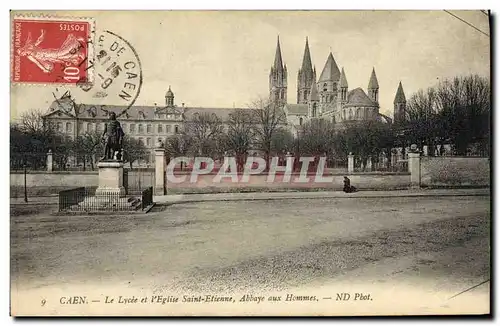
x,y
305,95
141,128
300,121
314,110
176,129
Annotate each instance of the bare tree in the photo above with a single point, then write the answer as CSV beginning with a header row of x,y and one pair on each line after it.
x,y
33,122
205,130
240,135
268,117
178,145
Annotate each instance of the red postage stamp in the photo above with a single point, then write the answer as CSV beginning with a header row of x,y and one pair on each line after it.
x,y
51,50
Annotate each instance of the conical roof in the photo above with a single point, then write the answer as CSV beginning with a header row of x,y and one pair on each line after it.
x,y
358,97
278,62
313,96
343,79
306,60
373,80
400,95
330,71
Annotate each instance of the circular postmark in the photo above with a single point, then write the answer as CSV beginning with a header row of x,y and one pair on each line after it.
x,y
116,78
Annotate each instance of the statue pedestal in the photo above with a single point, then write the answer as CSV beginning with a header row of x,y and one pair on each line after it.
x,y
110,178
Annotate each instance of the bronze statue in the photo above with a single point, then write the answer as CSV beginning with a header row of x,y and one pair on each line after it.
x,y
113,139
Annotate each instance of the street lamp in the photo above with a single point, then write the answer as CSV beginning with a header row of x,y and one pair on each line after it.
x,y
25,186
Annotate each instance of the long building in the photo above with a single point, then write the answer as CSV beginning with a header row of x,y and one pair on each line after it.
x,y
328,97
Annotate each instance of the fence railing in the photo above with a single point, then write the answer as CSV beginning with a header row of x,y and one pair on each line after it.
x,y
89,200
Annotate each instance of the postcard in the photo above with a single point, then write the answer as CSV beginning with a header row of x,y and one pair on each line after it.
x,y
250,163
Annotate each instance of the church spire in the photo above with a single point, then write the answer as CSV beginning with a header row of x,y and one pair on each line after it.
x,y
278,62
373,87
306,60
400,95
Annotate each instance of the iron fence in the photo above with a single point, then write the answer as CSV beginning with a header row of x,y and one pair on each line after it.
x,y
84,199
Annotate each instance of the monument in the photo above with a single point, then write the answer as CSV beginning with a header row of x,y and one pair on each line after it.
x,y
111,164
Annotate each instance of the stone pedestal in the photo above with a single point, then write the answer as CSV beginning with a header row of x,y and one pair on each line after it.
x,y
369,164
160,182
350,163
110,178
414,169
50,161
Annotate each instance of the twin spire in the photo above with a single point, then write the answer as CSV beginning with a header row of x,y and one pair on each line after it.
x,y
278,61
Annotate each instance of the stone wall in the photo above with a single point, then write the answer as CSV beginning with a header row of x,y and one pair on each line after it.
x,y
455,171
206,183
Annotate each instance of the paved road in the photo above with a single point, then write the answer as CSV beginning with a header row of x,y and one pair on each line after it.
x,y
434,245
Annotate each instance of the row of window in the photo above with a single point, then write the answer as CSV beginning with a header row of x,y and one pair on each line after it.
x,y
131,128
149,141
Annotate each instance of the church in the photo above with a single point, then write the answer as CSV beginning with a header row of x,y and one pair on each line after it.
x,y
328,97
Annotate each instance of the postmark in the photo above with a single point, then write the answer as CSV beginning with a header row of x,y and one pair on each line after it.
x,y
117,76
51,50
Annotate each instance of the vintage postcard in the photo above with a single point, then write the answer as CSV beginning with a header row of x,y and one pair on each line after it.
x,y
250,163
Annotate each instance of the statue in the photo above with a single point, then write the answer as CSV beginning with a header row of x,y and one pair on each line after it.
x,y
113,139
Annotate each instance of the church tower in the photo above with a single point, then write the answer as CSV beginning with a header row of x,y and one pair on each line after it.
x,y
278,79
169,98
399,105
342,90
373,87
313,102
306,77
328,82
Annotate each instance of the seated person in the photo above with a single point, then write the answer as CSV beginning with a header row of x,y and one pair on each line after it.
x,y
347,185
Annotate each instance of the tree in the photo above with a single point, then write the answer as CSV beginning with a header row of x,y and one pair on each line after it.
x,y
88,146
282,141
268,117
316,137
134,150
178,145
205,129
240,134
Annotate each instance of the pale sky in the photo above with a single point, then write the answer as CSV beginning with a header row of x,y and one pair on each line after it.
x,y
221,59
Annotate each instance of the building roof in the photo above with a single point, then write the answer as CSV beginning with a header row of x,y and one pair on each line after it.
x,y
358,97
278,62
343,79
306,60
296,109
169,92
400,95
313,96
330,71
373,83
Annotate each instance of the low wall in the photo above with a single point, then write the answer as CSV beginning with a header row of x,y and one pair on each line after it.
x,y
208,183
455,171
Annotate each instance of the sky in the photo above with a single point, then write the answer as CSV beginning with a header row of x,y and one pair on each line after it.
x,y
223,58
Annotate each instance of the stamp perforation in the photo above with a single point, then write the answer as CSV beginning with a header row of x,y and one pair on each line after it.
x,y
54,18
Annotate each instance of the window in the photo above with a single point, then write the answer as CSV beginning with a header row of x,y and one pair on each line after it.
x,y
160,140
160,128
176,129
169,129
141,141
148,141
68,126
124,126
132,128
87,127
97,126
314,110
141,128
300,121
305,95
59,126
148,129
